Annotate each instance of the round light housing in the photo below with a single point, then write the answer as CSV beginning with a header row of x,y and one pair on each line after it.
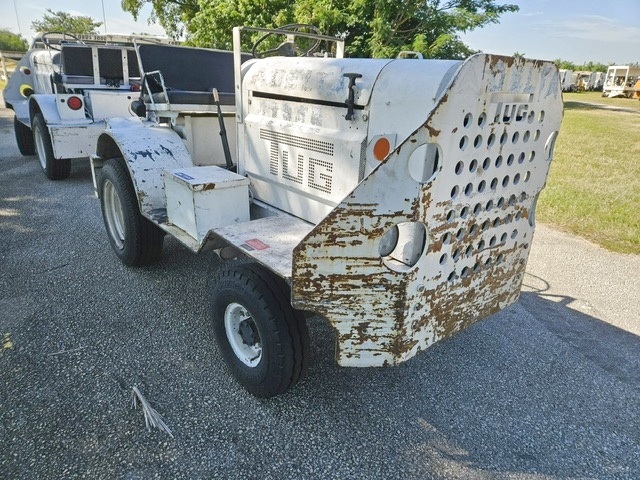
x,y
75,103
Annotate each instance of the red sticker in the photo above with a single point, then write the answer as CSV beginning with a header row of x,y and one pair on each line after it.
x,y
257,244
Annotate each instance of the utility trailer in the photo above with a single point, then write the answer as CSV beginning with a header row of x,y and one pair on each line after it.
x,y
63,89
395,198
621,81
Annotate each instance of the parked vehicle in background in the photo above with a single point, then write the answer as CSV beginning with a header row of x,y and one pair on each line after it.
x,y
62,90
394,197
621,81
585,80
566,80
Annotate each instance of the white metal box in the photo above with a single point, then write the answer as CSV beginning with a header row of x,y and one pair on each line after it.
x,y
202,198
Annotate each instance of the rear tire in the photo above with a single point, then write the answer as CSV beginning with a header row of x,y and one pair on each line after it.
x,y
263,340
134,239
24,137
54,169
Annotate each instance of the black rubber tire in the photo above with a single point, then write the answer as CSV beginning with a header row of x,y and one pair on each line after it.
x,y
282,330
141,241
24,137
53,168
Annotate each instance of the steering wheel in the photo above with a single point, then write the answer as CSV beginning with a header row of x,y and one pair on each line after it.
x,y
56,46
288,48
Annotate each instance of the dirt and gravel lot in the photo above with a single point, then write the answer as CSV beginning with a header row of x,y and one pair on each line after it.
x,y
549,388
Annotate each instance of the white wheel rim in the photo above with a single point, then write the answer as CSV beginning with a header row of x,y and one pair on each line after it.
x,y
237,323
113,214
42,156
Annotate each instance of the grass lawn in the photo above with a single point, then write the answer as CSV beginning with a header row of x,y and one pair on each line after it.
x,y
596,97
593,188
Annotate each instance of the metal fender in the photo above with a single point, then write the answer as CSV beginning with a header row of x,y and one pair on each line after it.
x,y
46,104
148,149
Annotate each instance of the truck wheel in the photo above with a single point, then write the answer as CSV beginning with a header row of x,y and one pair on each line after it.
x,y
263,340
24,137
54,169
135,240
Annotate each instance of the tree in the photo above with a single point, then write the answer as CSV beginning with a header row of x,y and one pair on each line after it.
x,y
65,22
378,28
11,42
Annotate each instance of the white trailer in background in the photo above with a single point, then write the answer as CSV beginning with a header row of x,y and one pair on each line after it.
x,y
585,80
566,79
621,81
396,198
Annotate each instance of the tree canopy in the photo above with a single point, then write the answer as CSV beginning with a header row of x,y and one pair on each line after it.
x,y
10,41
65,22
373,28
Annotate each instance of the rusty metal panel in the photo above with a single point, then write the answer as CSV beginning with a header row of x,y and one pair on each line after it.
x,y
438,235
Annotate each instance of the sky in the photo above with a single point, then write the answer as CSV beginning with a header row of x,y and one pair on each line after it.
x,y
576,30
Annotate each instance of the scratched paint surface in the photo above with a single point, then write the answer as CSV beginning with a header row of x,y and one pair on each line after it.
x,y
493,130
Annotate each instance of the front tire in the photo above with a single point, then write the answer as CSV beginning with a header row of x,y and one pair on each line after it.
x,y
54,169
24,137
134,239
263,340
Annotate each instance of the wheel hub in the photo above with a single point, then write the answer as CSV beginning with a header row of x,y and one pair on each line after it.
x,y
243,334
248,333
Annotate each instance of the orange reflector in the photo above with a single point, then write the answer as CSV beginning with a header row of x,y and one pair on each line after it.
x,y
381,148
74,103
26,90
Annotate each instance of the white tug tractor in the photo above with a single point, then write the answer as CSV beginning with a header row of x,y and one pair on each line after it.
x,y
394,197
62,90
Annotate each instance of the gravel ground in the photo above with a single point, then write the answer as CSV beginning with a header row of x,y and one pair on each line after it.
x,y
548,388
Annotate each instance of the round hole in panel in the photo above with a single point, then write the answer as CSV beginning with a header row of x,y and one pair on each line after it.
x,y
468,190
469,251
493,241
446,238
482,119
468,118
525,137
501,202
460,234
464,141
481,245
491,140
486,164
477,208
531,116
403,245
443,259
523,196
496,222
500,259
527,176
473,230
498,161
532,155
541,116
494,183
476,267
425,162
456,255
451,277
505,181
514,234
521,157
503,138
455,191
473,165
536,135
451,216
503,238
489,205
464,212
477,142
488,262
464,273
507,219
481,186
518,215
510,159
515,137
459,167
516,179
485,225
512,200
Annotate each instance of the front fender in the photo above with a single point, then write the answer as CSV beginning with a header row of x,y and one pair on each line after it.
x,y
45,104
148,149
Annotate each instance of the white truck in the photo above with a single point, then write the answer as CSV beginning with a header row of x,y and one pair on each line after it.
x,y
394,197
63,89
621,81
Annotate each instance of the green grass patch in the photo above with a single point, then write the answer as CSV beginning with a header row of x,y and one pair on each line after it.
x,y
593,188
596,97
